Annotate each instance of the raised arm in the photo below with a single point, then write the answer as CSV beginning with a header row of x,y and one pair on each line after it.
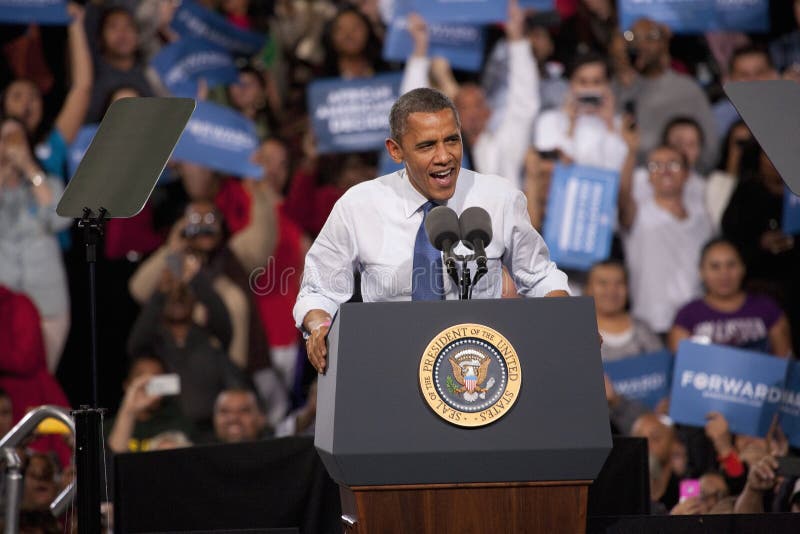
x,y
415,73
254,244
523,100
76,104
627,202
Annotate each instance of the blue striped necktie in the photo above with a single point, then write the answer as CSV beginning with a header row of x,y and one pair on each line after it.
x,y
427,281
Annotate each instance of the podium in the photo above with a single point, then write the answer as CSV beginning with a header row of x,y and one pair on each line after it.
x,y
401,463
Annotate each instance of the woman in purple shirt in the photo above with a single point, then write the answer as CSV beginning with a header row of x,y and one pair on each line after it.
x,y
726,314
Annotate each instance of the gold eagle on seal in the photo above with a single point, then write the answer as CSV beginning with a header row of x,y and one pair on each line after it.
x,y
470,376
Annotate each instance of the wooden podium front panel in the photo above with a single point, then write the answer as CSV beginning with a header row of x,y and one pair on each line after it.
x,y
519,508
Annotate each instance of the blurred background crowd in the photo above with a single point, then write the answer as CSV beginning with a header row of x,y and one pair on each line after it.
x,y
203,281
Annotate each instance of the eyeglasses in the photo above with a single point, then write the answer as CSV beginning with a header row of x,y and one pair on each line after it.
x,y
665,166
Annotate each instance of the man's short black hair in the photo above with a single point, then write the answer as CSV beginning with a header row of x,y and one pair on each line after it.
x,y
589,58
422,100
747,50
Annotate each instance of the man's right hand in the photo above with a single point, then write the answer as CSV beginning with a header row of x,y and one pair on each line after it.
x,y
317,323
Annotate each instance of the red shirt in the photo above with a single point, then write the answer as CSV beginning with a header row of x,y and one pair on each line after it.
x,y
23,365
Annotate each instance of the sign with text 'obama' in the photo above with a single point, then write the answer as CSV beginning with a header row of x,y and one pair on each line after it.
x,y
748,388
221,139
48,12
698,16
194,20
645,378
181,65
579,221
352,115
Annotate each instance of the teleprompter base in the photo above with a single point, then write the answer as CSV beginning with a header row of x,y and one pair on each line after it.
x,y
518,507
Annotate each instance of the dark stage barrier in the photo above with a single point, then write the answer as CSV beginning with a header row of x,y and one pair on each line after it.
x,y
276,484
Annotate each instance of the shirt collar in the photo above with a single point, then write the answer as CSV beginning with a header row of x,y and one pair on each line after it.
x,y
413,200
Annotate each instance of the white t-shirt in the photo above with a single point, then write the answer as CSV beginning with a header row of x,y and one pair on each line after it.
x,y
663,255
591,144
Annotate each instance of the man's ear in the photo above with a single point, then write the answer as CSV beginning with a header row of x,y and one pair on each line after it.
x,y
395,150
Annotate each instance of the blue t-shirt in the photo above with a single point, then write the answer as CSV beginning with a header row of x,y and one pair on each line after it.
x,y
52,153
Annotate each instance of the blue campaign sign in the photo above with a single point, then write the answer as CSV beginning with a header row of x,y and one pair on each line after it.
x,y
681,16
742,15
79,147
538,5
645,378
352,115
791,212
579,221
699,16
461,11
221,139
182,64
746,387
47,12
194,20
462,45
790,407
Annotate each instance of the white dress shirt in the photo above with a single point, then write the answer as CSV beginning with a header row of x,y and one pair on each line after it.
x,y
373,227
500,151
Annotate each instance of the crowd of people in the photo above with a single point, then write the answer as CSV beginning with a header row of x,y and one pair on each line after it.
x,y
202,282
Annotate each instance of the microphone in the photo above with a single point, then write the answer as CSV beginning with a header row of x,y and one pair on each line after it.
x,y
475,225
442,228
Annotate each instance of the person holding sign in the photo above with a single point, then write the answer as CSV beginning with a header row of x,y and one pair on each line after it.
x,y
377,227
726,314
501,150
23,99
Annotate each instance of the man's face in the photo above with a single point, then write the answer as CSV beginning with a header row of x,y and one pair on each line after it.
x,y
752,67
431,150
473,110
668,173
651,42
237,417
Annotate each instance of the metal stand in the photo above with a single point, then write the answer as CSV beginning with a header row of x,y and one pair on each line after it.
x,y
118,172
88,419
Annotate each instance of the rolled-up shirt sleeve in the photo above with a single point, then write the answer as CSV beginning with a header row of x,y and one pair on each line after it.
x,y
527,257
329,267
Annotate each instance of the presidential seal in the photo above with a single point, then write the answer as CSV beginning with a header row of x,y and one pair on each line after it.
x,y
470,375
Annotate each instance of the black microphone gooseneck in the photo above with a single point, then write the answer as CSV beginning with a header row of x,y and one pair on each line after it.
x,y
475,225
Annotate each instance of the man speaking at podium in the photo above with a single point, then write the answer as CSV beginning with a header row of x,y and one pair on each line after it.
x,y
378,227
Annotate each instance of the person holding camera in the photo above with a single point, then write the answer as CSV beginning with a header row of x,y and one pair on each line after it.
x,y
166,328
586,131
200,242
657,93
